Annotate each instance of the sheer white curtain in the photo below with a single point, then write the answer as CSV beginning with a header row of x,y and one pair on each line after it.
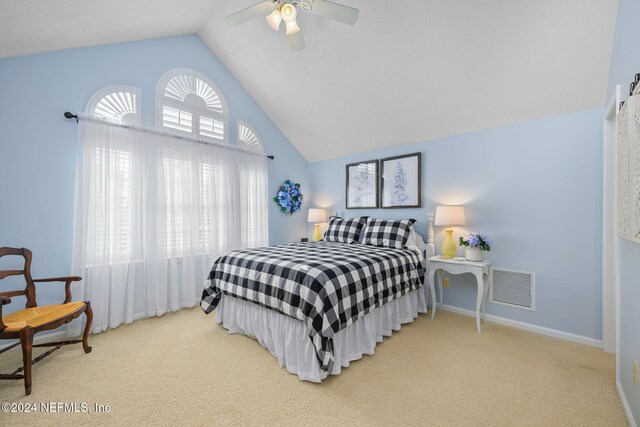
x,y
153,212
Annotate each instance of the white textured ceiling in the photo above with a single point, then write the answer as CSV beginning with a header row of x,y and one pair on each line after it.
x,y
30,26
409,70
412,70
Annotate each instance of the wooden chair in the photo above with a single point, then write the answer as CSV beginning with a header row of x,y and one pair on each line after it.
x,y
24,324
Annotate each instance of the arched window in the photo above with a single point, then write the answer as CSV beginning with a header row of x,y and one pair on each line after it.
x,y
189,103
117,104
248,138
112,214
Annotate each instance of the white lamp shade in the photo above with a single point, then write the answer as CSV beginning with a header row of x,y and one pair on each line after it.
x,y
274,19
292,27
317,215
449,215
288,12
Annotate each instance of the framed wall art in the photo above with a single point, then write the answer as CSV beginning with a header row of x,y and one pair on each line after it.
x,y
401,181
362,185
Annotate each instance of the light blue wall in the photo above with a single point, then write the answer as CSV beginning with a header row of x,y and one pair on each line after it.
x,y
625,63
535,188
625,56
38,146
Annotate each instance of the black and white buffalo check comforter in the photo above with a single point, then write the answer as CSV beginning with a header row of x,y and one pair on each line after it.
x,y
327,285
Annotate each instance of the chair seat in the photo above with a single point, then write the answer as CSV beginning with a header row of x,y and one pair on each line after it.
x,y
38,316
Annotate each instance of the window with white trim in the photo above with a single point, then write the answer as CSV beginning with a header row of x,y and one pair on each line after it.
x,y
248,138
191,104
113,168
191,218
117,104
113,207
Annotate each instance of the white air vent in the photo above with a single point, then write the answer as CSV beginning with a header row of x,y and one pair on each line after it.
x,y
513,288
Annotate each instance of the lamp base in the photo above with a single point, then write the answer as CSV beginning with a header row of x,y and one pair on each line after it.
x,y
449,247
316,233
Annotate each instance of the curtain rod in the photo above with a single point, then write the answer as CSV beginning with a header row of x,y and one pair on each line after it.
x,y
69,115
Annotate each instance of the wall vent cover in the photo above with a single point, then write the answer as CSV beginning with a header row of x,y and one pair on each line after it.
x,y
513,288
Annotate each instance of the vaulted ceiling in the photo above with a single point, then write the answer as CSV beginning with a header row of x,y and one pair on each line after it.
x,y
409,70
30,26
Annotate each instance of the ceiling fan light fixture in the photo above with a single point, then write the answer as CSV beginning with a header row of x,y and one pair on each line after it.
x,y
288,12
292,27
274,19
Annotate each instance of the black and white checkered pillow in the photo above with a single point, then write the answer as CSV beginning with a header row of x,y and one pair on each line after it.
x,y
388,233
344,230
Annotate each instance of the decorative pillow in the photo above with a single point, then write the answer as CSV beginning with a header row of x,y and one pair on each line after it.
x,y
344,230
388,233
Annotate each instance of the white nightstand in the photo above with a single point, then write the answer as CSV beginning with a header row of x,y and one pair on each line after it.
x,y
481,270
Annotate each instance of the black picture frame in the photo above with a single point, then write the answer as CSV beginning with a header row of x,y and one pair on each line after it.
x,y
350,199
411,177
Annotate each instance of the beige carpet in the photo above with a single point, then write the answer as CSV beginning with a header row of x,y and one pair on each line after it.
x,y
183,369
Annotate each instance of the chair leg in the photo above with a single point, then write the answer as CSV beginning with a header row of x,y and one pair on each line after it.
x,y
85,338
26,340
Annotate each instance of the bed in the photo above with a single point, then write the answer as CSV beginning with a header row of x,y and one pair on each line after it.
x,y
318,306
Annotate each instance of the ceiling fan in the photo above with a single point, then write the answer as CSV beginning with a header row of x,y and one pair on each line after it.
x,y
287,11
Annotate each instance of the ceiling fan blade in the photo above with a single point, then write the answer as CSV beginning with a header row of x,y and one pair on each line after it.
x,y
296,41
251,12
335,11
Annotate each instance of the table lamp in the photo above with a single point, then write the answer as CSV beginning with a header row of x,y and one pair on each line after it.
x,y
448,216
317,216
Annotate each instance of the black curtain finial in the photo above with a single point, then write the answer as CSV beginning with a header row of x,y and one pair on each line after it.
x,y
70,116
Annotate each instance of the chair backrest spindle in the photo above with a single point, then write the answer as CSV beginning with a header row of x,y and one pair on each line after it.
x,y
30,289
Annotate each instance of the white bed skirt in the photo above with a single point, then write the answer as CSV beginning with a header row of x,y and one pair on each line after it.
x,y
288,340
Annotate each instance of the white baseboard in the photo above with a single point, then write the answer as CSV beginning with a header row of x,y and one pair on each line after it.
x,y
529,327
625,404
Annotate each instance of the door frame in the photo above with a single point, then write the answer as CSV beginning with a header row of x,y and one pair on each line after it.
x,y
610,256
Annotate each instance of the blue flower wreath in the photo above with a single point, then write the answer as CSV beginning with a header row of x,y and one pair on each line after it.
x,y
289,197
